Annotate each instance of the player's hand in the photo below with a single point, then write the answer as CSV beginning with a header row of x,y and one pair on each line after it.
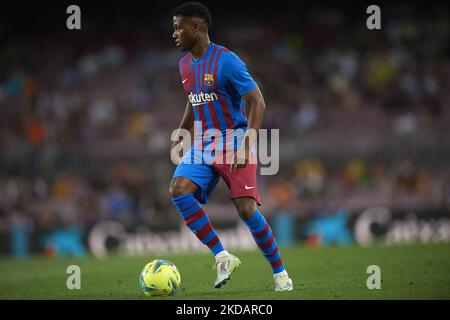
x,y
240,158
176,152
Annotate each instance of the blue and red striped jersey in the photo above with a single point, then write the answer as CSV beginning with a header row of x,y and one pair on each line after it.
x,y
215,85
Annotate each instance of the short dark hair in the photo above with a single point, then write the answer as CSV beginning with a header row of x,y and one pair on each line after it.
x,y
193,9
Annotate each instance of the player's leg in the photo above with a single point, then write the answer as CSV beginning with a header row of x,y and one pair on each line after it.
x,y
183,192
244,193
193,183
265,240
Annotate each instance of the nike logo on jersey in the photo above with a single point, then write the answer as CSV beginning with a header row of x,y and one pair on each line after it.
x,y
248,188
184,80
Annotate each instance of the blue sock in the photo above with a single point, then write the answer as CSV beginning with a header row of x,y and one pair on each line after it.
x,y
264,238
197,220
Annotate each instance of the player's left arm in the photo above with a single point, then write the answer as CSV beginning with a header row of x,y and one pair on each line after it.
x,y
255,101
237,74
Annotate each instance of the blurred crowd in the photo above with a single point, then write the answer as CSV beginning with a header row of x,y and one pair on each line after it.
x,y
85,121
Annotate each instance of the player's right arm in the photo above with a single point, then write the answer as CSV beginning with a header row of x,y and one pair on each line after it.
x,y
187,123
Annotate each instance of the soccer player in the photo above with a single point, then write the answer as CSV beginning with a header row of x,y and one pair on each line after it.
x,y
219,89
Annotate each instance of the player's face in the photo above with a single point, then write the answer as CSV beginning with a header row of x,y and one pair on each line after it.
x,y
183,33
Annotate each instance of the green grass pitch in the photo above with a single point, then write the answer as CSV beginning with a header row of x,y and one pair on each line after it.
x,y
407,272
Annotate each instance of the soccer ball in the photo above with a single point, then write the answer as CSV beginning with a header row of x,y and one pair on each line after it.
x,y
160,278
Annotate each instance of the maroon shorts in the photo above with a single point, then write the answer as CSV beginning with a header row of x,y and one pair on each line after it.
x,y
241,182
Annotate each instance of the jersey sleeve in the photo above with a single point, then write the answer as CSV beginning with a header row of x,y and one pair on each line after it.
x,y
182,65
236,72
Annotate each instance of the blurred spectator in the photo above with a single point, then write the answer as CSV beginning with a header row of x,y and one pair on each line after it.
x,y
21,228
63,242
329,229
310,174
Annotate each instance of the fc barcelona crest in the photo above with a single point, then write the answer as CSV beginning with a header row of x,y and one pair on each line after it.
x,y
209,79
